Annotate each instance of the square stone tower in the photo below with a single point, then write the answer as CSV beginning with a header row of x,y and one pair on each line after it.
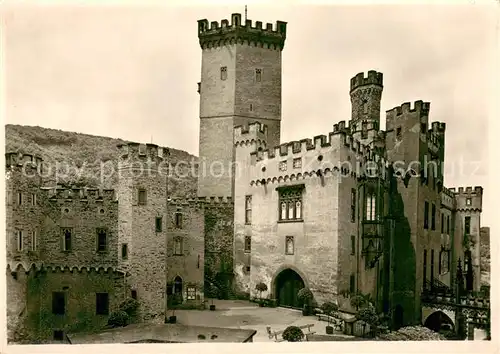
x,y
240,84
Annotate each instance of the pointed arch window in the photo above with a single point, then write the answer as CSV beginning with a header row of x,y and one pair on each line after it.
x,y
290,201
371,208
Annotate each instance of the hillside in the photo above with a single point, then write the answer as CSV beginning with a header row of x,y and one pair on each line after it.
x,y
79,158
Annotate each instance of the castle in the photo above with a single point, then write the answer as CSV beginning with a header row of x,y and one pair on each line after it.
x,y
359,210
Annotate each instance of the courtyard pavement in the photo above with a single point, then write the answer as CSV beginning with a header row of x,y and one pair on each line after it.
x,y
248,315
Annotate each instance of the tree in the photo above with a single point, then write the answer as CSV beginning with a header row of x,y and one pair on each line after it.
x,y
293,334
261,287
358,301
305,296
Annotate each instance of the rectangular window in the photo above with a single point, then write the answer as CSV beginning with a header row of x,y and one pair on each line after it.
x,y
283,166
467,225
290,200
425,265
101,304
142,197
102,242
191,293
352,284
442,223
468,201
133,294
289,245
353,245
433,217
297,163
248,209
426,215
58,303
432,266
9,197
353,205
33,241
33,199
158,224
248,244
20,198
20,241
124,251
423,128
258,75
66,239
447,224
178,246
398,133
178,220
223,73
371,207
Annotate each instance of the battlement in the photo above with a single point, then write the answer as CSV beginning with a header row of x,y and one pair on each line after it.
x,y
79,194
373,78
142,152
252,132
20,159
224,201
469,191
438,127
448,198
419,106
272,36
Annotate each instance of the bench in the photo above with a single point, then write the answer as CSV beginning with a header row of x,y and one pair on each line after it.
x,y
279,333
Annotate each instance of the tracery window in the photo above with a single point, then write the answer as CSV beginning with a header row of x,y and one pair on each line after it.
x,y
290,201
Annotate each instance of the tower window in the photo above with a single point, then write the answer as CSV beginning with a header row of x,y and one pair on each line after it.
x,y
398,133
364,130
353,205
289,245
251,107
258,75
20,198
365,106
467,225
248,209
352,284
66,239
223,73
33,240
133,294
142,197
433,217
20,241
178,246
370,207
353,245
468,201
178,220
158,224
101,240
426,215
248,244
124,251
33,199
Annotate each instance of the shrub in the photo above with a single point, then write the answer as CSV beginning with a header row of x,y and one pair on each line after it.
x,y
293,334
129,306
329,308
118,319
261,287
358,301
305,295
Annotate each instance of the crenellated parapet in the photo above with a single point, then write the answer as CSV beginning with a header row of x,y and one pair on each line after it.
x,y
253,133
141,152
468,198
420,107
338,153
220,34
448,198
202,201
373,78
84,195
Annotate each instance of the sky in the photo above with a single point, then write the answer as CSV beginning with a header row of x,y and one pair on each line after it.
x,y
131,72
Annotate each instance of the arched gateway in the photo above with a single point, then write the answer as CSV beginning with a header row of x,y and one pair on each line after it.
x,y
288,283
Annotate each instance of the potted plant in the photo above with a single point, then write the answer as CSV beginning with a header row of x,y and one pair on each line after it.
x,y
358,301
293,334
261,287
176,300
329,308
305,296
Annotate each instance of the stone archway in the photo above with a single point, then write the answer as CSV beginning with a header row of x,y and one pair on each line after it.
x,y
438,321
286,285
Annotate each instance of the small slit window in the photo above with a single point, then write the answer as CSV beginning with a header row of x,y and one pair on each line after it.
x,y
223,73
258,75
